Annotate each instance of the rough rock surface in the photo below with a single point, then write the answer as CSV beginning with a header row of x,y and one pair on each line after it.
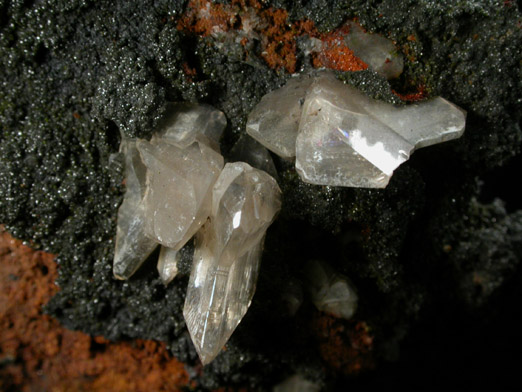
x,y
75,73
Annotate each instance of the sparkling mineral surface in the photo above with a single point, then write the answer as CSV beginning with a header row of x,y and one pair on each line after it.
x,y
227,255
345,138
132,246
330,291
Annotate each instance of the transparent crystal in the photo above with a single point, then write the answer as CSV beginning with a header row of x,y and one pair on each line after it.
x,y
274,122
180,180
348,139
168,264
132,245
185,122
227,255
330,291
343,137
376,51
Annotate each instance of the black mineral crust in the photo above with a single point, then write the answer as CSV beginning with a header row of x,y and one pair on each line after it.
x,y
434,256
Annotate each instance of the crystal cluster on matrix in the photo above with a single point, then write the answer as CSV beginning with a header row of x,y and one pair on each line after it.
x,y
341,137
177,187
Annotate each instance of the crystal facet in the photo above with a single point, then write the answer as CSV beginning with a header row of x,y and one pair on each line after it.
x,y
345,138
227,255
185,122
168,264
177,201
132,245
331,292
169,182
274,122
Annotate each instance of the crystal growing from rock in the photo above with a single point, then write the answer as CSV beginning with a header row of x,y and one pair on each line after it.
x,y
227,255
330,292
376,51
132,246
186,121
345,138
169,182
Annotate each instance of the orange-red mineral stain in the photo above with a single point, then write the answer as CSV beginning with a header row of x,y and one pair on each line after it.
x,y
37,354
278,34
347,347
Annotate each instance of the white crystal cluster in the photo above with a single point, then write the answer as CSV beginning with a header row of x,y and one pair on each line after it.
x,y
176,184
341,137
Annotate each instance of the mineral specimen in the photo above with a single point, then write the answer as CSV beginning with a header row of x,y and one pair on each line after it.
x,y
376,51
168,264
345,138
274,122
330,291
132,246
177,201
169,182
227,255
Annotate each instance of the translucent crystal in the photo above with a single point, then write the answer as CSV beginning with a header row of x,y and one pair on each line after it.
x,y
168,264
132,245
227,255
274,122
252,152
376,51
296,383
348,139
331,292
185,121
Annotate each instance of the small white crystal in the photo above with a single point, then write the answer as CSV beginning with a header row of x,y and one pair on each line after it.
x,y
132,245
180,180
376,51
296,383
168,264
227,256
274,122
331,292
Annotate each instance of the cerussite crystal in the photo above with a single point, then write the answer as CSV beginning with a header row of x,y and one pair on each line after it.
x,y
132,245
169,183
177,201
168,264
227,255
274,122
345,138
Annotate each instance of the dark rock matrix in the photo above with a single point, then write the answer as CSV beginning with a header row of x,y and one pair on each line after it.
x,y
434,256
